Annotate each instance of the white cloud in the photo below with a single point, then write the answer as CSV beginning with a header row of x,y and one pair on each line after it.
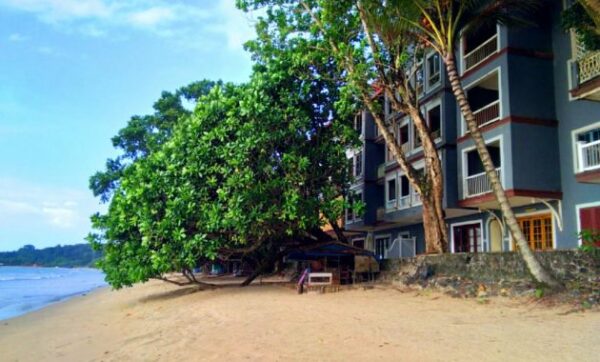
x,y
24,205
152,17
61,217
16,37
60,10
201,24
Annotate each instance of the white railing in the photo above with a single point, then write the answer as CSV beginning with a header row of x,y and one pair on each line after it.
x,y
478,184
395,250
487,114
588,67
404,202
589,155
416,199
391,204
481,53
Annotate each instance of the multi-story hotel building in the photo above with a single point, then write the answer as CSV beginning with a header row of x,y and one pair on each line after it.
x,y
536,97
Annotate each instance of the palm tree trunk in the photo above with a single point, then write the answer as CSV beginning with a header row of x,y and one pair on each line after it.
x,y
536,269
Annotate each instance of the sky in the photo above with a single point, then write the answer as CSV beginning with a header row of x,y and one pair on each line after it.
x,y
72,72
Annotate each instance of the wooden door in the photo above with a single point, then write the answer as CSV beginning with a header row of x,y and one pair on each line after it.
x,y
467,238
538,231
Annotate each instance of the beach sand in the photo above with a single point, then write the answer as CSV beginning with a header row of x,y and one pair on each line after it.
x,y
161,322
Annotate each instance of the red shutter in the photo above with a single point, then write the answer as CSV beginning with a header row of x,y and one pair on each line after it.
x,y
590,218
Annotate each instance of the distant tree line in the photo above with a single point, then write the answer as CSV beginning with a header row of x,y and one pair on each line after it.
x,y
79,255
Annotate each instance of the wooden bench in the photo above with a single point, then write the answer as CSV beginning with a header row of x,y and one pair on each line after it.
x,y
315,279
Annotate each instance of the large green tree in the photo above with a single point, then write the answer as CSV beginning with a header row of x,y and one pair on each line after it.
x,y
382,59
256,168
145,134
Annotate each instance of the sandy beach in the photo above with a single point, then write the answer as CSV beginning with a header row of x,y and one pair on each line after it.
x,y
160,322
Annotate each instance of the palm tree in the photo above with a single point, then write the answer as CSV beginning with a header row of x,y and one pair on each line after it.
x,y
441,24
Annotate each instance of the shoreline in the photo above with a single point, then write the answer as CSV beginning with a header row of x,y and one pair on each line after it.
x,y
25,290
156,321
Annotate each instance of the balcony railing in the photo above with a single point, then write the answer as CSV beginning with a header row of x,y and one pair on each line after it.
x,y
416,199
401,247
478,184
589,155
588,67
487,114
481,53
404,202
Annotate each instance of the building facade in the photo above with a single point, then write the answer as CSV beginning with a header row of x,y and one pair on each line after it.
x,y
536,98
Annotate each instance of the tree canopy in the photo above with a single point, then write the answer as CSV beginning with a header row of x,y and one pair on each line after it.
x,y
255,167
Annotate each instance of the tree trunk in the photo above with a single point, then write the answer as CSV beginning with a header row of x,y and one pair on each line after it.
x,y
536,269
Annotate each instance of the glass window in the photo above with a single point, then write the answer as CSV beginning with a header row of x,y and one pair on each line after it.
x,y
434,118
433,69
358,164
404,186
391,190
403,134
589,136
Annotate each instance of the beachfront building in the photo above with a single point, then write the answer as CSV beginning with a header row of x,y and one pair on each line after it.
x,y
536,97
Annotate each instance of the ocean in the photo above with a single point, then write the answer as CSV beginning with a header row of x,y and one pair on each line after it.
x,y
25,289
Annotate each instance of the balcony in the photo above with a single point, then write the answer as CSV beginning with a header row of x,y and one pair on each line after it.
x,y
481,52
487,114
589,156
588,162
404,202
587,75
484,97
478,184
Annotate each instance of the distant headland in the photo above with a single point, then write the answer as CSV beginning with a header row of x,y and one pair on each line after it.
x,y
69,256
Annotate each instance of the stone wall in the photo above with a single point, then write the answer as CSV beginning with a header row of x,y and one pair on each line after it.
x,y
567,265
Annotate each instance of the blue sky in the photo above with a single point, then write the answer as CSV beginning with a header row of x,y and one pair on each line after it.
x,y
72,72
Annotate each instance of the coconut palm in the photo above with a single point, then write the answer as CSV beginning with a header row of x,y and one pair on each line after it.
x,y
441,24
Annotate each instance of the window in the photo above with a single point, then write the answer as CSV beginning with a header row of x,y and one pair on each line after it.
x,y
403,138
404,200
434,119
474,165
433,70
359,243
358,164
589,218
538,231
358,124
467,238
391,192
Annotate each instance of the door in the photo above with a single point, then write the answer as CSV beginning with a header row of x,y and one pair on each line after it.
x,y
495,236
467,238
538,231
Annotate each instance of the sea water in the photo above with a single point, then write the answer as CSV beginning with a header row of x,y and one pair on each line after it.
x,y
25,289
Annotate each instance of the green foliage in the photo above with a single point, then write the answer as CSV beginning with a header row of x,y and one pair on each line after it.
x,y
145,134
254,166
590,242
578,19
539,292
62,256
